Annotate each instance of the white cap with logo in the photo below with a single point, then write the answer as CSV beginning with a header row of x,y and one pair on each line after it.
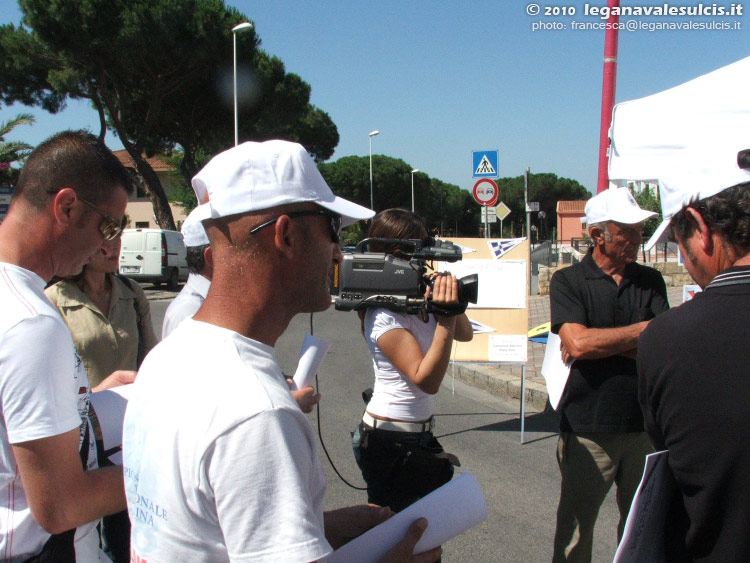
x,y
615,204
255,176
701,173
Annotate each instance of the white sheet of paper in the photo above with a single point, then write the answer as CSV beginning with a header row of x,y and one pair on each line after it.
x,y
502,283
110,408
310,357
643,537
450,510
554,371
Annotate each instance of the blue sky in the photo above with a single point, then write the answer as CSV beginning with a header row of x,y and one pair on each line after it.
x,y
441,78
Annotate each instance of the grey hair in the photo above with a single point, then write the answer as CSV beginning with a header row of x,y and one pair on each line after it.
x,y
604,226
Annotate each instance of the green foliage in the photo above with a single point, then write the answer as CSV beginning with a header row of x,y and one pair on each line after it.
x,y
182,192
25,64
547,189
317,132
160,75
13,151
446,207
648,198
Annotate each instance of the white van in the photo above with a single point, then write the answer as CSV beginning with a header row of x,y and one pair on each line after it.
x,y
154,255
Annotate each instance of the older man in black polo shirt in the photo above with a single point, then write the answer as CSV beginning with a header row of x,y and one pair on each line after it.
x,y
599,307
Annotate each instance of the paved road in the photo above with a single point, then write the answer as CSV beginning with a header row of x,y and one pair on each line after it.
x,y
520,482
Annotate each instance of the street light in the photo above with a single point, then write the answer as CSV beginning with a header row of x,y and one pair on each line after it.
x,y
412,188
372,134
236,29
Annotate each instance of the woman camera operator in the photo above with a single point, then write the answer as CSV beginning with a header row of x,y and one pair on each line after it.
x,y
400,459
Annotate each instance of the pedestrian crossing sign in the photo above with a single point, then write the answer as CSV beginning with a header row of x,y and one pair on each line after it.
x,y
484,164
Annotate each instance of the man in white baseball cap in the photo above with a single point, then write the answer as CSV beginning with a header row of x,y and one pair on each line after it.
x,y
220,462
599,308
693,361
200,265
618,205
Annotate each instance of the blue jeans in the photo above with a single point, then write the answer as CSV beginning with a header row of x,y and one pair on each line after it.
x,y
399,467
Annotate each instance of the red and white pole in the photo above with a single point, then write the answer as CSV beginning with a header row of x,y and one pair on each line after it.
x,y
609,82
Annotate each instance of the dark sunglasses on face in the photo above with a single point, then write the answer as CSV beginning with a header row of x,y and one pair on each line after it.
x,y
109,227
334,221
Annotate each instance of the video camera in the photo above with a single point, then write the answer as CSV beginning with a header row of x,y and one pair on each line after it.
x,y
375,279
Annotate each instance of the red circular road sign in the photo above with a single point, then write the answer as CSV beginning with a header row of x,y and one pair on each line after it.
x,y
485,192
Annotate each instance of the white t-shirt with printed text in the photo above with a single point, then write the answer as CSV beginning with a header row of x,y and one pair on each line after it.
x,y
220,463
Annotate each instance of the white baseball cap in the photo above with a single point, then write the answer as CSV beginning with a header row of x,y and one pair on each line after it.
x,y
192,229
255,176
701,173
615,204
200,192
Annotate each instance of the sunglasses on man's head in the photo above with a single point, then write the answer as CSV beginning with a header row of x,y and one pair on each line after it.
x,y
334,221
109,227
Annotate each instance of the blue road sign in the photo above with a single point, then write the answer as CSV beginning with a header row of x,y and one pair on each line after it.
x,y
484,164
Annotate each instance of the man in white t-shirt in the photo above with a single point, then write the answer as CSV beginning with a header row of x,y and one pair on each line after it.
x,y
220,463
200,264
70,196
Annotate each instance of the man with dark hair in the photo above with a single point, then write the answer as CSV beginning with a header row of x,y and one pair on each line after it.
x,y
599,307
73,159
71,196
693,361
220,463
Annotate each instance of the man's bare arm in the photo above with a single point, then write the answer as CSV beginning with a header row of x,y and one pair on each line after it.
x,y
60,493
583,343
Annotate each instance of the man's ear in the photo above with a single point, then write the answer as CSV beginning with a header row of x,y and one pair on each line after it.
x,y
208,262
701,229
63,206
284,236
597,235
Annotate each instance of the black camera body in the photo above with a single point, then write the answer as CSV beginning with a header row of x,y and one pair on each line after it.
x,y
374,279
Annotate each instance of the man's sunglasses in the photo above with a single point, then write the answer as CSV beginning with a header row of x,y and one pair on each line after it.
x,y
109,227
334,221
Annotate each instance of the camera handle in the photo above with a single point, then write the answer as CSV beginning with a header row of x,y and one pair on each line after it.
x,y
446,310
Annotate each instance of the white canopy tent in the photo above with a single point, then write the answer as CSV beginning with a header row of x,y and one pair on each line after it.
x,y
648,135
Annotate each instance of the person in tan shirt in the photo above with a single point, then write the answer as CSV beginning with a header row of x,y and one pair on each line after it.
x,y
105,315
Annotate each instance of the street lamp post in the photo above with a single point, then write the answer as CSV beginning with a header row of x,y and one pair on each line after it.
x,y
372,203
236,29
412,188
